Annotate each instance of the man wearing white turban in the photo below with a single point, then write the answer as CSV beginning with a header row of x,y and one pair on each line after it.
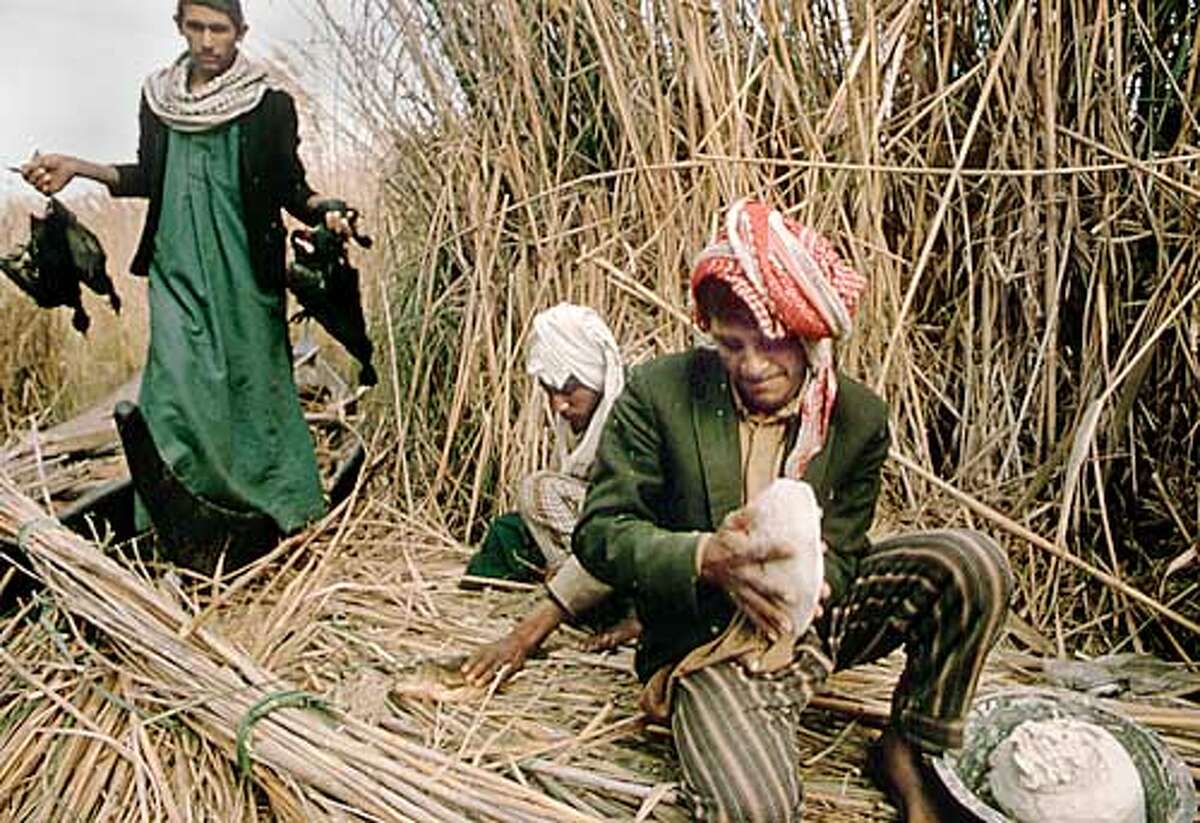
x,y
574,356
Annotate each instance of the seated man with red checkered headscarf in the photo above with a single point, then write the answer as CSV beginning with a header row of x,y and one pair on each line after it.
x,y
692,440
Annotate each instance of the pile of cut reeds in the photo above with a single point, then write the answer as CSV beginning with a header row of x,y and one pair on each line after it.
x,y
365,614
304,754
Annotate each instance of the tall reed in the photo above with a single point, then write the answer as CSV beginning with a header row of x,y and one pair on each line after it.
x,y
1016,179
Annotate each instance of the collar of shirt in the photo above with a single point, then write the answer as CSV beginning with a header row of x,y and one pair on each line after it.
x,y
762,439
781,415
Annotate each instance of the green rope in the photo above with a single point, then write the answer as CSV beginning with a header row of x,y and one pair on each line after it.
x,y
270,703
26,531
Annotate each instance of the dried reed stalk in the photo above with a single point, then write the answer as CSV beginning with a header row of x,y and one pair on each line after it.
x,y
1017,182
367,613
215,687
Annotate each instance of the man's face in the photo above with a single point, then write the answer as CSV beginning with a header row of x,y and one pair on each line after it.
x,y
766,373
212,39
574,402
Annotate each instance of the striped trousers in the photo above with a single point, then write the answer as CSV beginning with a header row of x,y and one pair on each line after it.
x,y
942,595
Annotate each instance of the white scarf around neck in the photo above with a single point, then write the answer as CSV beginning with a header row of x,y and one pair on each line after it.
x,y
236,91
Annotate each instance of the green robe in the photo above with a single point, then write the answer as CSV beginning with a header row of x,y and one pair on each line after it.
x,y
217,391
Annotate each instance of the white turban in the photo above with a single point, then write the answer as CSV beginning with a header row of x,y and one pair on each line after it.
x,y
573,341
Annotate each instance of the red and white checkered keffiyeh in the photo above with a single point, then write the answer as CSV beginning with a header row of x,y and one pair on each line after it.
x,y
794,283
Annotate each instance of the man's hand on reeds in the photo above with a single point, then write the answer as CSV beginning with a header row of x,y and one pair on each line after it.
x,y
505,657
502,658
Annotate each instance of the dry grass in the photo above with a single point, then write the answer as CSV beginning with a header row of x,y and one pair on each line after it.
x,y
312,758
1017,180
127,698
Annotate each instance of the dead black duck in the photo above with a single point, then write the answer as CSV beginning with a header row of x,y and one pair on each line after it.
x,y
61,254
327,288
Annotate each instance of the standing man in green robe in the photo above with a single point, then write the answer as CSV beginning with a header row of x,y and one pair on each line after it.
x,y
217,158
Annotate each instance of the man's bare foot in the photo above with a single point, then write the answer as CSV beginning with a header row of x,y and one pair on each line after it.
x,y
628,629
896,766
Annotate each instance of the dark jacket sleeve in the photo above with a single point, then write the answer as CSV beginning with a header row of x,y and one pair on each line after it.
x,y
618,538
293,185
133,179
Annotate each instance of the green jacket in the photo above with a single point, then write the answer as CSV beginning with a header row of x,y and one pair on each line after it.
x,y
668,468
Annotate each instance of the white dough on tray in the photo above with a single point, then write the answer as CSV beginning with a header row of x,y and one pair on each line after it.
x,y
1065,771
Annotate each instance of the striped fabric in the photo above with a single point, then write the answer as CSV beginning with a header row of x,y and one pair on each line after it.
x,y
790,277
942,595
549,503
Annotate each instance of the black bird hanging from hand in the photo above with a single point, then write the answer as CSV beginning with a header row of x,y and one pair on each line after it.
x,y
327,288
61,254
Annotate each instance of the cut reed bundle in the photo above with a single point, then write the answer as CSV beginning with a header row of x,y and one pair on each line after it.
x,y
366,613
214,687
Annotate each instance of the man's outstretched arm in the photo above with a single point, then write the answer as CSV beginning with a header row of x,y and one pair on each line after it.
x,y
50,173
509,652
